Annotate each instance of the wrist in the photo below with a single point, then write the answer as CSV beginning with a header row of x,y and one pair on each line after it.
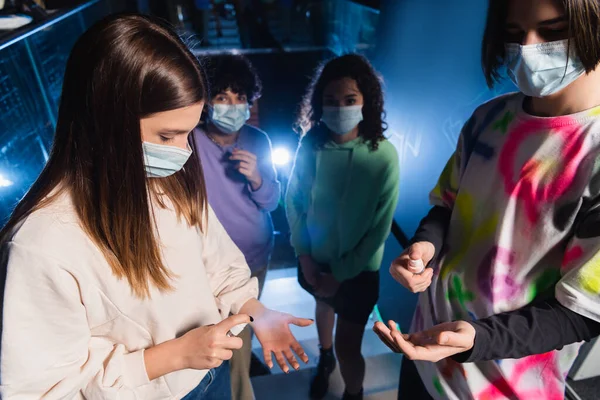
x,y
256,183
165,358
180,355
253,308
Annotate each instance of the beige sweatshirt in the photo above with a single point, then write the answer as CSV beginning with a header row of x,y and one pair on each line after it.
x,y
71,329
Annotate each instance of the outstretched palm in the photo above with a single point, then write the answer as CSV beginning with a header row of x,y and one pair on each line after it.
x,y
272,328
434,344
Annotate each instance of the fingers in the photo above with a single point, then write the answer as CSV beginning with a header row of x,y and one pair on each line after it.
x,y
291,359
243,156
415,252
245,171
433,335
246,164
245,153
406,347
299,351
301,321
414,282
422,286
423,251
268,358
233,343
281,361
384,335
228,323
221,354
416,266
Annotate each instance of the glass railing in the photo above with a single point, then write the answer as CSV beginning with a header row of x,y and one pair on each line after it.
x,y
350,26
32,65
290,25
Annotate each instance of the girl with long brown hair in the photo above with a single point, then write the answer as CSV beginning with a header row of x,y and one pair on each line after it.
x,y
118,279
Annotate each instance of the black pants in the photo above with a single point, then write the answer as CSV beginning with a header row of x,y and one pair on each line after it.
x,y
411,386
354,300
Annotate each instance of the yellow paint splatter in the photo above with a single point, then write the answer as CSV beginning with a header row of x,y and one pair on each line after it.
x,y
589,276
465,206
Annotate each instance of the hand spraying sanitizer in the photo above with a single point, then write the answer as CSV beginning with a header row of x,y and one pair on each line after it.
x,y
416,266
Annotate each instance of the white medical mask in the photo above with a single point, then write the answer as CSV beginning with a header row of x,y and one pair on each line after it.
x,y
161,160
542,69
229,118
341,120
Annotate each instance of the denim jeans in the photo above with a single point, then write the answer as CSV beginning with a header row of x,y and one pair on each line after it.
x,y
216,385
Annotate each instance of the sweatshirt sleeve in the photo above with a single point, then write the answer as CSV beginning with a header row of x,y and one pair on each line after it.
x,y
297,202
433,227
537,328
47,349
572,316
268,194
353,262
227,270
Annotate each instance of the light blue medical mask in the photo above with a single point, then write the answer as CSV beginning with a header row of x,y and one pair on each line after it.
x,y
161,160
229,118
341,120
542,69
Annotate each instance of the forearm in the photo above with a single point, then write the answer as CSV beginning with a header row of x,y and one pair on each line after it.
x,y
534,329
164,358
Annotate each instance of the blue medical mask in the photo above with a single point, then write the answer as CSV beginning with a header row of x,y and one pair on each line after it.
x,y
229,118
341,120
161,160
542,69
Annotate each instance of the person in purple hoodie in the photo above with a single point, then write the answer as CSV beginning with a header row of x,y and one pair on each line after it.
x,y
241,180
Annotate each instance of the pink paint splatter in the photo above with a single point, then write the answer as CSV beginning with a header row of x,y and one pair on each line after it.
x,y
571,255
549,372
540,182
494,286
448,367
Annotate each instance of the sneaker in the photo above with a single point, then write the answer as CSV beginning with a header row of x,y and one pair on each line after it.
x,y
10,22
348,396
319,383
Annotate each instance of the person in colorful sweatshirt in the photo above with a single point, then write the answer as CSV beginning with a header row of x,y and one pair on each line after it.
x,y
241,181
517,207
340,202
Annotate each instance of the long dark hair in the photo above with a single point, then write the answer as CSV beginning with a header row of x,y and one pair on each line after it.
x,y
122,69
369,83
584,34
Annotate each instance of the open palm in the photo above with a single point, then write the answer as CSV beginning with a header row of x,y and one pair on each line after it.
x,y
272,329
441,341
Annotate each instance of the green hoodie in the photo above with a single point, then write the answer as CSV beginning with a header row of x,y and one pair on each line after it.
x,y
340,204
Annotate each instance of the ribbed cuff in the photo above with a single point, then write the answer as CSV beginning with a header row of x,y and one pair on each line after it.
x,y
264,194
135,367
480,344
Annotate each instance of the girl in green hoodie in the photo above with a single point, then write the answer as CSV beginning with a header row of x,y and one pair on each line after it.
x,y
340,203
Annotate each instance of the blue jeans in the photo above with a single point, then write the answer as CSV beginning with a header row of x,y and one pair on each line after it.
x,y
216,385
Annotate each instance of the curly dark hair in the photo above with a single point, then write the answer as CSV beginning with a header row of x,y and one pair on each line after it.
x,y
234,72
369,83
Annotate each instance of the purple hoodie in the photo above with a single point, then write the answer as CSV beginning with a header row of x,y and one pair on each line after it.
x,y
244,213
